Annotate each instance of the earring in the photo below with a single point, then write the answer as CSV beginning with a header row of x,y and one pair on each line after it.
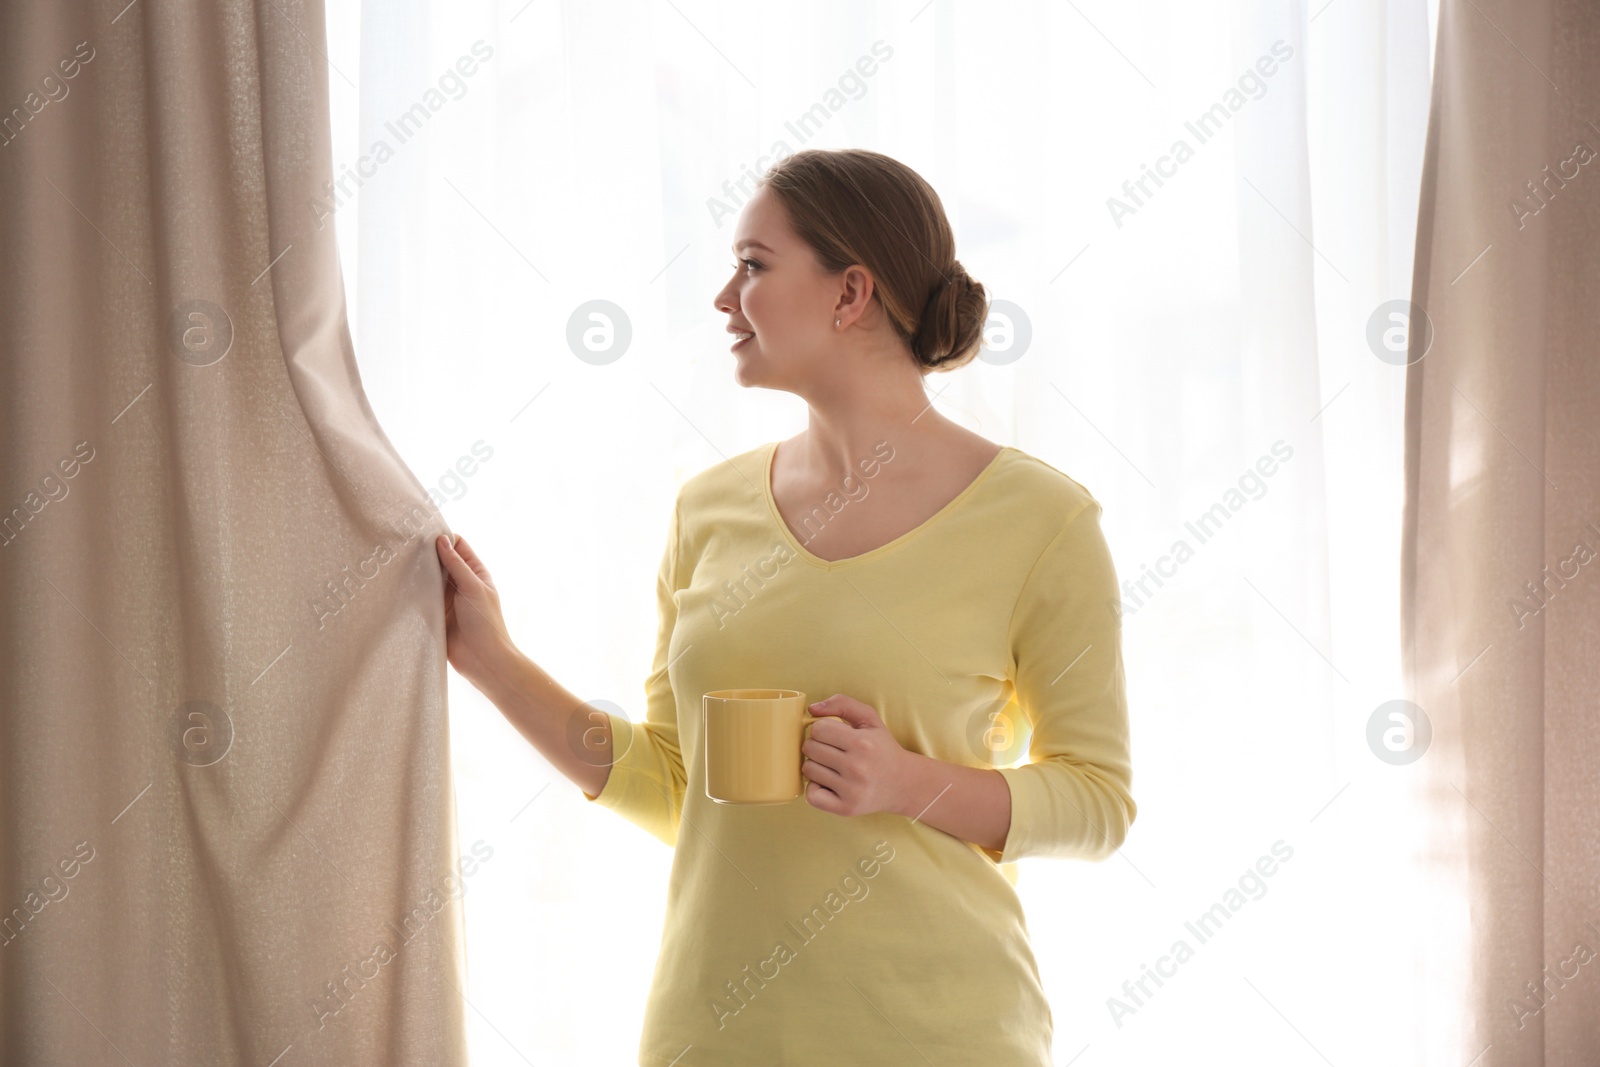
x,y
836,322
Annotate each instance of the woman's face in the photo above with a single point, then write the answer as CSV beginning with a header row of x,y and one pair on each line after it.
x,y
780,295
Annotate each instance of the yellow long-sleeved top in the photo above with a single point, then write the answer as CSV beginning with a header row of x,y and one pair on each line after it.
x,y
794,936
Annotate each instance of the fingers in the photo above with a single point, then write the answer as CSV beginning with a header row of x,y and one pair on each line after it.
x,y
826,724
822,798
458,569
821,774
848,709
465,551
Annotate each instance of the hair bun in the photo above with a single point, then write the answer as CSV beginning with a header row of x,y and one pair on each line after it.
x,y
951,325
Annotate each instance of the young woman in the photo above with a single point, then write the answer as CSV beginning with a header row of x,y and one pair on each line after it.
x,y
947,600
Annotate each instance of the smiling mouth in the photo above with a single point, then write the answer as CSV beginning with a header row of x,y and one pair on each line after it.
x,y
741,339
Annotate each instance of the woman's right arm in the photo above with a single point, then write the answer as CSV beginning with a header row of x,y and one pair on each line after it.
x,y
541,709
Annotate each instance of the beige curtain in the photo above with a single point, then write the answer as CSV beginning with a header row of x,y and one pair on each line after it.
x,y
1501,562
224,770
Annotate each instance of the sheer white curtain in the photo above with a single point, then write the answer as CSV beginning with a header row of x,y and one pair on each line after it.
x,y
1196,331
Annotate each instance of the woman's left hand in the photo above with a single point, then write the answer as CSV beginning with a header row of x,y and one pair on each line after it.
x,y
854,766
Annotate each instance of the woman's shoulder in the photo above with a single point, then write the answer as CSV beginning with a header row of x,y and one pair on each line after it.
x,y
735,478
1042,489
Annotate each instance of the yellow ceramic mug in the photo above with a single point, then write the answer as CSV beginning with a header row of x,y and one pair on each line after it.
x,y
753,739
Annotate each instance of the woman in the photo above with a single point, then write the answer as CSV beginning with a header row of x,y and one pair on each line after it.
x,y
940,591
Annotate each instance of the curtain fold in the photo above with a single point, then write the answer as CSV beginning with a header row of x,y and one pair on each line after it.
x,y
229,833
1501,559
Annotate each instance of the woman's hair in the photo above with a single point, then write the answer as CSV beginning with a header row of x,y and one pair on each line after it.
x,y
854,206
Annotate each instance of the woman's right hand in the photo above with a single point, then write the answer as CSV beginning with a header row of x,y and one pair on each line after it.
x,y
476,641
540,709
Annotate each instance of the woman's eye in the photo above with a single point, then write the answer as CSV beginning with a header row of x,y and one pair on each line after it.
x,y
752,264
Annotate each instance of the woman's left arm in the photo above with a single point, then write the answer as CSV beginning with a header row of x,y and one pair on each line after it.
x,y
1073,798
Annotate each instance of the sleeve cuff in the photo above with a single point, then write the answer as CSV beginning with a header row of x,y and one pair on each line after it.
x,y
621,739
1018,841
1038,818
997,857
